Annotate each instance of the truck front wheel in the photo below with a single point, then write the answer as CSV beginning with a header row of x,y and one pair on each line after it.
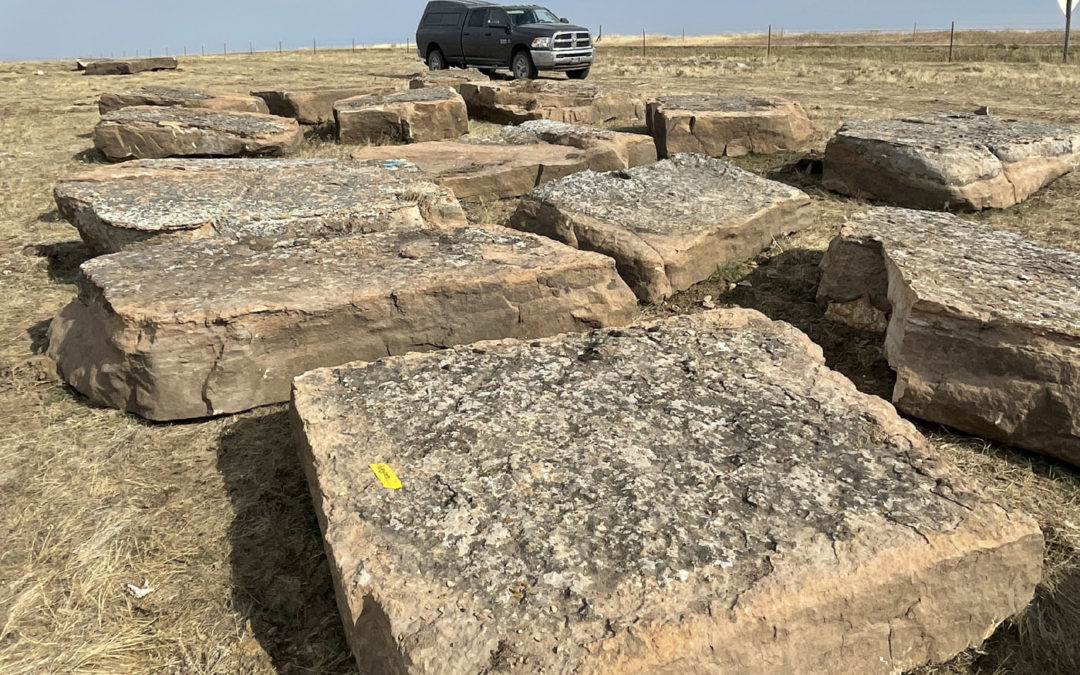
x,y
436,60
523,67
578,74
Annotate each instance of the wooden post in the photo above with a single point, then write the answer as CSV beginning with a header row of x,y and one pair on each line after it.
x,y
354,45
251,47
643,42
768,45
225,48
601,35
914,32
1068,27
314,49
952,40
684,35
279,46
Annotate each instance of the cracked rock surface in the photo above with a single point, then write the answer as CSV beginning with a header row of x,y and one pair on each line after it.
x,y
518,101
211,327
153,132
949,160
314,105
412,116
181,97
249,199
612,150
984,332
446,78
668,225
726,125
695,495
127,66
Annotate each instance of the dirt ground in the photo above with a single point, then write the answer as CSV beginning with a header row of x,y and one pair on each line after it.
x,y
215,515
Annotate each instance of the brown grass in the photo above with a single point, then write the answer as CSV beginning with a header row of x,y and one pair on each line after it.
x,y
215,515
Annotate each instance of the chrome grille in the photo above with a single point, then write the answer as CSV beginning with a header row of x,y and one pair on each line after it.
x,y
572,40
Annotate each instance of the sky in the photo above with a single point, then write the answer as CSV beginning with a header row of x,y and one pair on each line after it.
x,y
44,29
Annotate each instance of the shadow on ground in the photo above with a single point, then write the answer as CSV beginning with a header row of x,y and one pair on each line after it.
x,y
64,259
281,580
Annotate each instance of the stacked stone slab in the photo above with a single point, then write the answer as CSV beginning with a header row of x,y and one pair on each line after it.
x,y
268,200
445,78
514,162
127,66
560,100
949,160
413,116
314,105
668,225
149,132
181,97
984,332
211,327
727,126
696,495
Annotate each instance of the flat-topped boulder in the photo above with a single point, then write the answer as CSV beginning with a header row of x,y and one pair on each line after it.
x,y
127,66
413,116
276,200
314,105
445,78
984,327
625,150
151,132
211,327
668,225
181,97
517,101
727,125
949,160
698,495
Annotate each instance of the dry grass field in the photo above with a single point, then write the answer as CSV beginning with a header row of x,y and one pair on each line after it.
x,y
215,515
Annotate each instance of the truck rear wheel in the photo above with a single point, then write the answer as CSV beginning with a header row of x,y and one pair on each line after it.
x,y
578,74
523,67
436,60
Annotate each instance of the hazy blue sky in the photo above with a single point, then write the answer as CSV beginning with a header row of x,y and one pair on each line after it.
x,y
66,28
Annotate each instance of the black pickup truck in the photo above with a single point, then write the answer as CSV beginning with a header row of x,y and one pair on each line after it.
x,y
484,35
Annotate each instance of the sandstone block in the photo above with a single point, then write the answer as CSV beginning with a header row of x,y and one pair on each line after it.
x,y
949,160
445,78
727,126
127,66
984,328
668,225
611,150
212,327
414,116
314,105
576,102
269,200
697,495
182,98
148,132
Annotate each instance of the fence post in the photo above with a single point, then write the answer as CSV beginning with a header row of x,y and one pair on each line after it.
x,y
314,49
279,46
251,47
354,45
601,35
952,40
914,32
768,45
642,42
1068,27
224,48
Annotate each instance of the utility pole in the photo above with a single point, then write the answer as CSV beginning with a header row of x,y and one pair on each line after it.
x,y
768,45
1068,27
952,39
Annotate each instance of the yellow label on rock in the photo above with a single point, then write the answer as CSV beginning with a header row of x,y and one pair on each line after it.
x,y
386,476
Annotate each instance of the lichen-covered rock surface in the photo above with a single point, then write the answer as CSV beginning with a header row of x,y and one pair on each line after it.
x,y
127,66
949,160
249,199
413,116
611,150
727,125
576,102
984,332
315,105
181,97
154,132
670,224
445,78
210,327
697,495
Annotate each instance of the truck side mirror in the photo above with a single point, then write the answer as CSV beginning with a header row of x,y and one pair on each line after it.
x,y
564,20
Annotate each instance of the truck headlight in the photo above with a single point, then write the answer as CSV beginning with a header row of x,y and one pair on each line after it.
x,y
541,43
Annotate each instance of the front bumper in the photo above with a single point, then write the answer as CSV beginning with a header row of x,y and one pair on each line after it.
x,y
563,59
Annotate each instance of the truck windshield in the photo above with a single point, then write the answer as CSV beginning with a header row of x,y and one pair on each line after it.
x,y
523,16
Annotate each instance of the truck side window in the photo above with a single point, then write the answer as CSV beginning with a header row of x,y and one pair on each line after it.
x,y
497,18
476,18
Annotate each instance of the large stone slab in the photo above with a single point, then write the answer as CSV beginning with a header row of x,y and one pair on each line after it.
x,y
211,327
127,66
181,97
698,495
949,160
249,199
413,116
517,159
668,225
727,125
517,101
314,105
445,78
984,332
149,132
